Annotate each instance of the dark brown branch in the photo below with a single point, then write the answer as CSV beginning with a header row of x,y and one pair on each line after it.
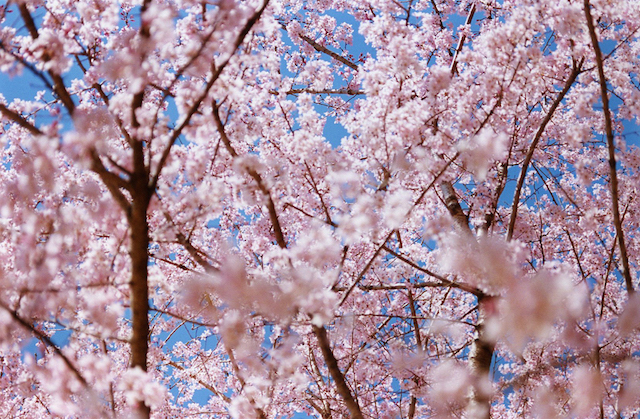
x,y
416,326
61,91
490,215
190,248
325,50
139,254
58,84
400,286
350,92
214,76
626,272
336,374
482,348
46,339
577,68
195,254
141,195
416,332
435,9
138,97
29,66
184,319
271,208
112,181
20,120
290,205
444,282
576,255
454,63
451,201
243,33
28,20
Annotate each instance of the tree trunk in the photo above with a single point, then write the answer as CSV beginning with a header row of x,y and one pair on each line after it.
x,y
480,356
139,253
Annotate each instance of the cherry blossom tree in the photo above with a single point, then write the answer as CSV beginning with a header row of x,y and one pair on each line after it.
x,y
324,208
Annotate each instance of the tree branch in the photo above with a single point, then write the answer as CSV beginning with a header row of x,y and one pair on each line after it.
x,y
482,348
444,282
336,374
214,76
314,185
112,181
271,208
58,84
451,201
190,248
577,68
46,339
454,63
345,91
365,269
20,120
200,382
416,332
325,50
626,272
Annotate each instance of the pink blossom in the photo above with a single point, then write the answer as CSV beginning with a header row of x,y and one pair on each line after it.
x,y
326,208
138,386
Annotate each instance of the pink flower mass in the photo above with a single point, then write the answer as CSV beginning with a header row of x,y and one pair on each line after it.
x,y
319,209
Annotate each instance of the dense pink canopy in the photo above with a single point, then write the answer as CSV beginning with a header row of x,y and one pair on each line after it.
x,y
336,208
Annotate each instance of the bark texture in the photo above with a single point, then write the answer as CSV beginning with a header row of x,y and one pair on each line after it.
x,y
481,351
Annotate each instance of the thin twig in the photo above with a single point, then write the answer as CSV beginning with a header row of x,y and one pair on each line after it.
x,y
444,282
